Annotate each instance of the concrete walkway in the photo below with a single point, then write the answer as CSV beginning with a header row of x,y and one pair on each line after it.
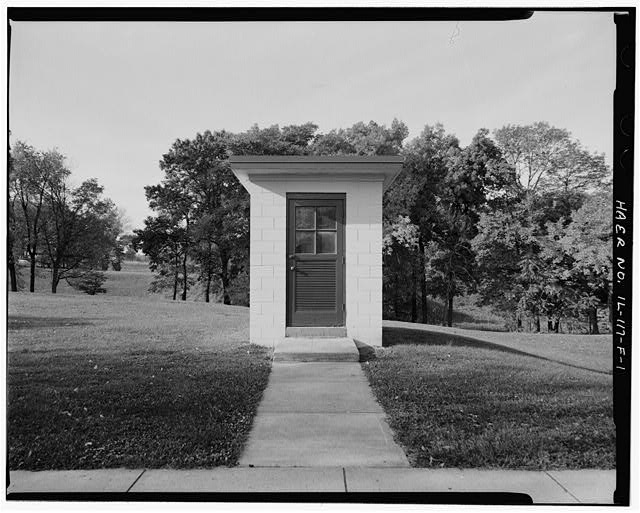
x,y
554,487
320,415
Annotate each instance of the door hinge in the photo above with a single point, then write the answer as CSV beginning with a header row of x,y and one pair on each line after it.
x,y
344,307
344,260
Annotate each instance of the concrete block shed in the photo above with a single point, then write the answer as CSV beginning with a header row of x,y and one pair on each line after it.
x,y
315,245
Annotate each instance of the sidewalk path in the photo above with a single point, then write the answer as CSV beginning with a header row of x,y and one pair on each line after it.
x,y
320,415
553,487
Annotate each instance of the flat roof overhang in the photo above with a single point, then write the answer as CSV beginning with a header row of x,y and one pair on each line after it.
x,y
257,168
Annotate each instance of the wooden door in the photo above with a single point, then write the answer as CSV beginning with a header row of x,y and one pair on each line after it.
x,y
315,260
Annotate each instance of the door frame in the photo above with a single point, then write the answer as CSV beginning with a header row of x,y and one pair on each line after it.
x,y
341,285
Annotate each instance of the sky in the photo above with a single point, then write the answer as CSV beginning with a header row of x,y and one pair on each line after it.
x,y
113,97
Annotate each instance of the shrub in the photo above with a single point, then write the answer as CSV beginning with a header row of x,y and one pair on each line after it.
x,y
89,282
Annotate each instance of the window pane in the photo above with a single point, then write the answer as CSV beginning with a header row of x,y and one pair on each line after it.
x,y
304,242
326,242
305,218
327,217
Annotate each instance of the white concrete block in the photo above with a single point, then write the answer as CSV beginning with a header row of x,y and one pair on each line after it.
x,y
359,271
260,271
260,223
365,311
269,283
375,271
255,234
280,223
264,197
366,259
274,235
376,295
369,283
274,259
261,295
255,284
351,285
359,246
274,210
262,247
255,209
255,259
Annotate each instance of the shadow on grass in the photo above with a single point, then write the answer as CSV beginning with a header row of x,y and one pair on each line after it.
x,y
403,336
25,322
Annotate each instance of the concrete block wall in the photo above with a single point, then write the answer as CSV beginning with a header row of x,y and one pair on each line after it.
x,y
363,252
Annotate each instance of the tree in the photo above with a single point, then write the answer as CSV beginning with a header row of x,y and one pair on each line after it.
x,y
547,160
125,242
32,173
399,252
201,202
80,227
13,235
290,140
163,242
475,178
362,139
517,244
413,194
587,245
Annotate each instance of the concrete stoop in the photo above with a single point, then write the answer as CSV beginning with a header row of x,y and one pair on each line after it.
x,y
316,349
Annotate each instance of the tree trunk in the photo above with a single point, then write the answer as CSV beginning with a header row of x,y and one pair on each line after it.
x,y
224,278
450,310
556,326
175,278
11,264
55,278
593,321
537,324
549,325
184,277
32,275
206,292
396,302
519,323
449,302
414,298
423,284
226,299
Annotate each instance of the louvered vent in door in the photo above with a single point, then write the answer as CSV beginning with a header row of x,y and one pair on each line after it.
x,y
316,286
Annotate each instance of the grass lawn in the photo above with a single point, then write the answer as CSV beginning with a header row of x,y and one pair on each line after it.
x,y
459,403
117,381
592,352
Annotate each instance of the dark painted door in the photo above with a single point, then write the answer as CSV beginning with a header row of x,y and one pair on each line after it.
x,y
315,260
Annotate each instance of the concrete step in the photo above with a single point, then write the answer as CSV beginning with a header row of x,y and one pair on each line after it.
x,y
316,349
316,332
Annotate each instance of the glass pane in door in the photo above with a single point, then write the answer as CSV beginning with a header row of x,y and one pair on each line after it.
x,y
305,218
304,242
326,242
326,218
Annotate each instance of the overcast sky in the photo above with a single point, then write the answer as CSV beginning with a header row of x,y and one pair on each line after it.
x,y
114,96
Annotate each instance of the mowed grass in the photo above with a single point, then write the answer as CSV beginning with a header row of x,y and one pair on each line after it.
x,y
132,280
473,405
99,381
594,352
